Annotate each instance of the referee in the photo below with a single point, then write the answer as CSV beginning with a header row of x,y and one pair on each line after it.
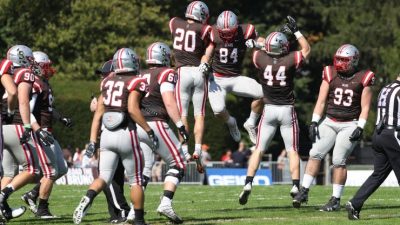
x,y
386,145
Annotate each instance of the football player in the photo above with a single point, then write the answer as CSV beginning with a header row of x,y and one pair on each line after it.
x,y
158,107
119,109
276,70
227,50
18,138
346,91
190,39
51,157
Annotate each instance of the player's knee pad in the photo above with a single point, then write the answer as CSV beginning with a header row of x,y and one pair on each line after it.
x,y
314,154
175,175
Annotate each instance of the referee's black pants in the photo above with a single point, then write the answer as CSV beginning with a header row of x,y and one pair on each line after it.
x,y
387,158
117,205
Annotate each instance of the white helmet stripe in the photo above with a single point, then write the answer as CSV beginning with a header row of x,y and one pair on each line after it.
x,y
120,64
150,51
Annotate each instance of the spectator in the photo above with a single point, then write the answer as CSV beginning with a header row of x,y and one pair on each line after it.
x,y
241,156
205,156
78,156
282,160
68,157
157,169
227,158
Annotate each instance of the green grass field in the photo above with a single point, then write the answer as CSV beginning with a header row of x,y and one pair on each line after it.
x,y
198,204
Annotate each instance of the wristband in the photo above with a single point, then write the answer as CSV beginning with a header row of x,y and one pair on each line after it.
x,y
298,35
179,123
361,123
315,118
27,126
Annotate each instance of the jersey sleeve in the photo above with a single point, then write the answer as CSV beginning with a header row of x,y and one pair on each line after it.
x,y
298,59
205,33
256,56
250,32
167,75
213,32
5,66
171,24
327,74
24,75
36,87
368,79
138,84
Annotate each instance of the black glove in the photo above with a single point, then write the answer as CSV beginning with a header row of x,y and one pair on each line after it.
x,y
291,24
356,135
91,149
153,139
66,121
45,137
9,118
26,135
183,133
313,131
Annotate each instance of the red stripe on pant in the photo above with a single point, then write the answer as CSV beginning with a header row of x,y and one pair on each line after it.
x,y
170,145
259,132
138,173
42,157
27,151
178,92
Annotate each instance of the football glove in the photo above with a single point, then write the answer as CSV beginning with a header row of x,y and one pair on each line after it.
x,y
153,139
91,149
356,135
183,133
9,118
26,135
291,24
204,68
313,131
45,137
66,121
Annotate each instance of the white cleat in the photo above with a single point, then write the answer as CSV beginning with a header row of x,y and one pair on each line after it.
x,y
252,130
294,191
168,211
131,215
81,210
235,132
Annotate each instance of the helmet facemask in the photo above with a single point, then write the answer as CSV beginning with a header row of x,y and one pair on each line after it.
x,y
346,59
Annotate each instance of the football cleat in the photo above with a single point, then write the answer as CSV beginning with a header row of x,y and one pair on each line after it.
x,y
332,205
120,220
294,191
234,130
197,159
244,195
252,130
301,197
167,211
131,215
81,210
44,213
30,201
6,213
352,214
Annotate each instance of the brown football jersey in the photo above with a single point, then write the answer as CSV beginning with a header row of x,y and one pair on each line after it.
x,y
116,89
190,41
20,75
228,56
276,76
153,107
43,110
344,97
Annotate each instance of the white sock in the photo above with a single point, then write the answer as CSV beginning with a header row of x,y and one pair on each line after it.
x,y
337,190
252,120
231,121
166,201
307,180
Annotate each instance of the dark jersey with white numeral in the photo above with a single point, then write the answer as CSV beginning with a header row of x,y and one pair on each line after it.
x,y
153,108
228,56
115,90
276,76
344,97
189,41
19,75
43,110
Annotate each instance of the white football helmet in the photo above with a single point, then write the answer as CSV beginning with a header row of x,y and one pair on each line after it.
x,y
227,25
198,11
158,53
276,44
346,58
20,55
44,63
125,60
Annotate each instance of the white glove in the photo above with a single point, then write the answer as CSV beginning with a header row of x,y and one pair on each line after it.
x,y
251,43
204,68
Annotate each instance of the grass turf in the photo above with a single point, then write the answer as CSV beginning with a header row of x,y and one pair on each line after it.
x,y
198,204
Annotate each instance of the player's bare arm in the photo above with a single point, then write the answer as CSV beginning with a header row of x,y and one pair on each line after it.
x,y
322,97
11,90
366,97
134,110
24,90
96,122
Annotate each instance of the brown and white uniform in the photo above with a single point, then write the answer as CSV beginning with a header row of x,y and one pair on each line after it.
x,y
227,66
14,153
121,142
190,41
276,77
156,115
342,113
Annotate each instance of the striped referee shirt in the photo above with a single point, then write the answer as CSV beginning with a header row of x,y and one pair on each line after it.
x,y
389,104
